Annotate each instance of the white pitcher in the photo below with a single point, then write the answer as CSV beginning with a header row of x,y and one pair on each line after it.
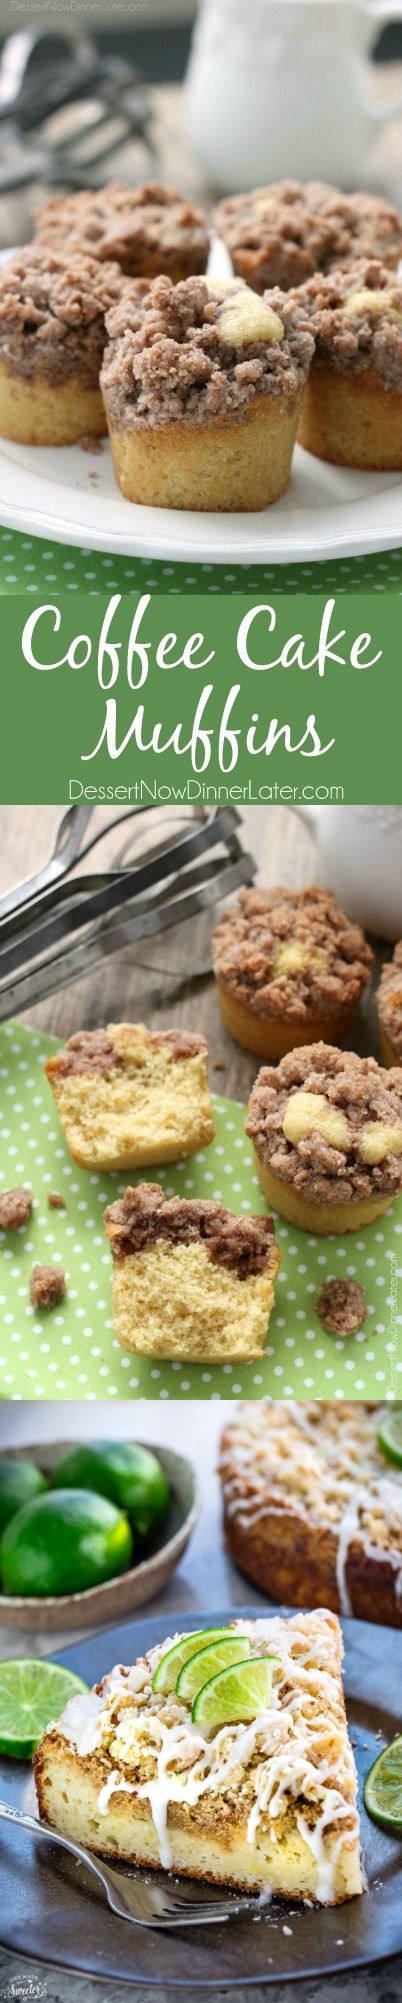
x,y
282,89
360,859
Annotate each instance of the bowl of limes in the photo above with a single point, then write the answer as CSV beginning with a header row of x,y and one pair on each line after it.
x,y
89,1530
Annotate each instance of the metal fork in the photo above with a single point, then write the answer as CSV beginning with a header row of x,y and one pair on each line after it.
x,y
132,1898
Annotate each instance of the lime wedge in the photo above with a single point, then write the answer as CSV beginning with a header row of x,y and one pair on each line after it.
x,y
237,1694
390,1435
382,1792
171,1663
31,1694
201,1667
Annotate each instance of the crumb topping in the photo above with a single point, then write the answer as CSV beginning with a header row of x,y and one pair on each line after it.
x,y
110,1049
282,234
341,1306
291,1768
390,998
151,227
289,953
143,1215
181,356
356,318
15,1208
52,312
47,1286
330,1123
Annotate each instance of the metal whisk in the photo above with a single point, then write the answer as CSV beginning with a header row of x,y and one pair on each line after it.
x,y
107,99
56,926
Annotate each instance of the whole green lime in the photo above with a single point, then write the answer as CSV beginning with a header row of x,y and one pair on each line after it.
x,y
19,1482
130,1476
63,1544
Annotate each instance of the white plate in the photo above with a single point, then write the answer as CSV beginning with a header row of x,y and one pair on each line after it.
x,y
71,496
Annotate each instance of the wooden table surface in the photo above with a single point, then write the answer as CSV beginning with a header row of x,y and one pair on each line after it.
x,y
152,982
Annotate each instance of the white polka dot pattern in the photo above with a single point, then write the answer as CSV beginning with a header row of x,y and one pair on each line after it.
x,y
72,1353
27,564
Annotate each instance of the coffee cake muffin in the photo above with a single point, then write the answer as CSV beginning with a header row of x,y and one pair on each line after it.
x,y
190,1281
202,386
389,1005
52,336
327,1133
352,408
125,1097
282,234
290,969
145,230
312,1508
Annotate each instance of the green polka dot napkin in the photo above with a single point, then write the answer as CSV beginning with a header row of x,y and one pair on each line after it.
x,y
27,564
72,1353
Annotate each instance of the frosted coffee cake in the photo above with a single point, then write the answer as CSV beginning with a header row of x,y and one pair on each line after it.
x,y
312,1507
267,1800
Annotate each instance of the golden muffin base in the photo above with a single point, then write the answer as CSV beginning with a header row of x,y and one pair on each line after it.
x,y
351,420
271,1036
206,1841
174,1301
389,1055
235,465
293,1560
324,1219
38,412
156,1108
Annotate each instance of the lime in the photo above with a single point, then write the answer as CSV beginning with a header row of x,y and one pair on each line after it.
x,y
31,1694
171,1662
390,1435
200,1667
19,1482
130,1476
237,1694
64,1543
382,1792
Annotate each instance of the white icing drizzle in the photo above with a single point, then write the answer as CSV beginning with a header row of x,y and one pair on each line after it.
x,y
294,1758
323,1462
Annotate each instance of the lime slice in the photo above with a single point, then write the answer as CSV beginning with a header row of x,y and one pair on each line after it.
x,y
201,1667
171,1663
31,1694
390,1435
236,1695
382,1792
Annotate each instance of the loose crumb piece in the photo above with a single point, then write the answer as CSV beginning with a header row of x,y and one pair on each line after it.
x,y
15,1208
341,1306
47,1286
55,1201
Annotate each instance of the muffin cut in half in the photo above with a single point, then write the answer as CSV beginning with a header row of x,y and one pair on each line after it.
x,y
312,1507
290,969
327,1132
282,234
52,336
146,230
202,386
352,408
270,1803
389,1005
126,1097
190,1279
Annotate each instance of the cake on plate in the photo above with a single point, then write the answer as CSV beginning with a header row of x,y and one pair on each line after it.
x,y
389,1005
127,1096
352,407
312,1506
282,234
146,230
250,1784
52,337
202,385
